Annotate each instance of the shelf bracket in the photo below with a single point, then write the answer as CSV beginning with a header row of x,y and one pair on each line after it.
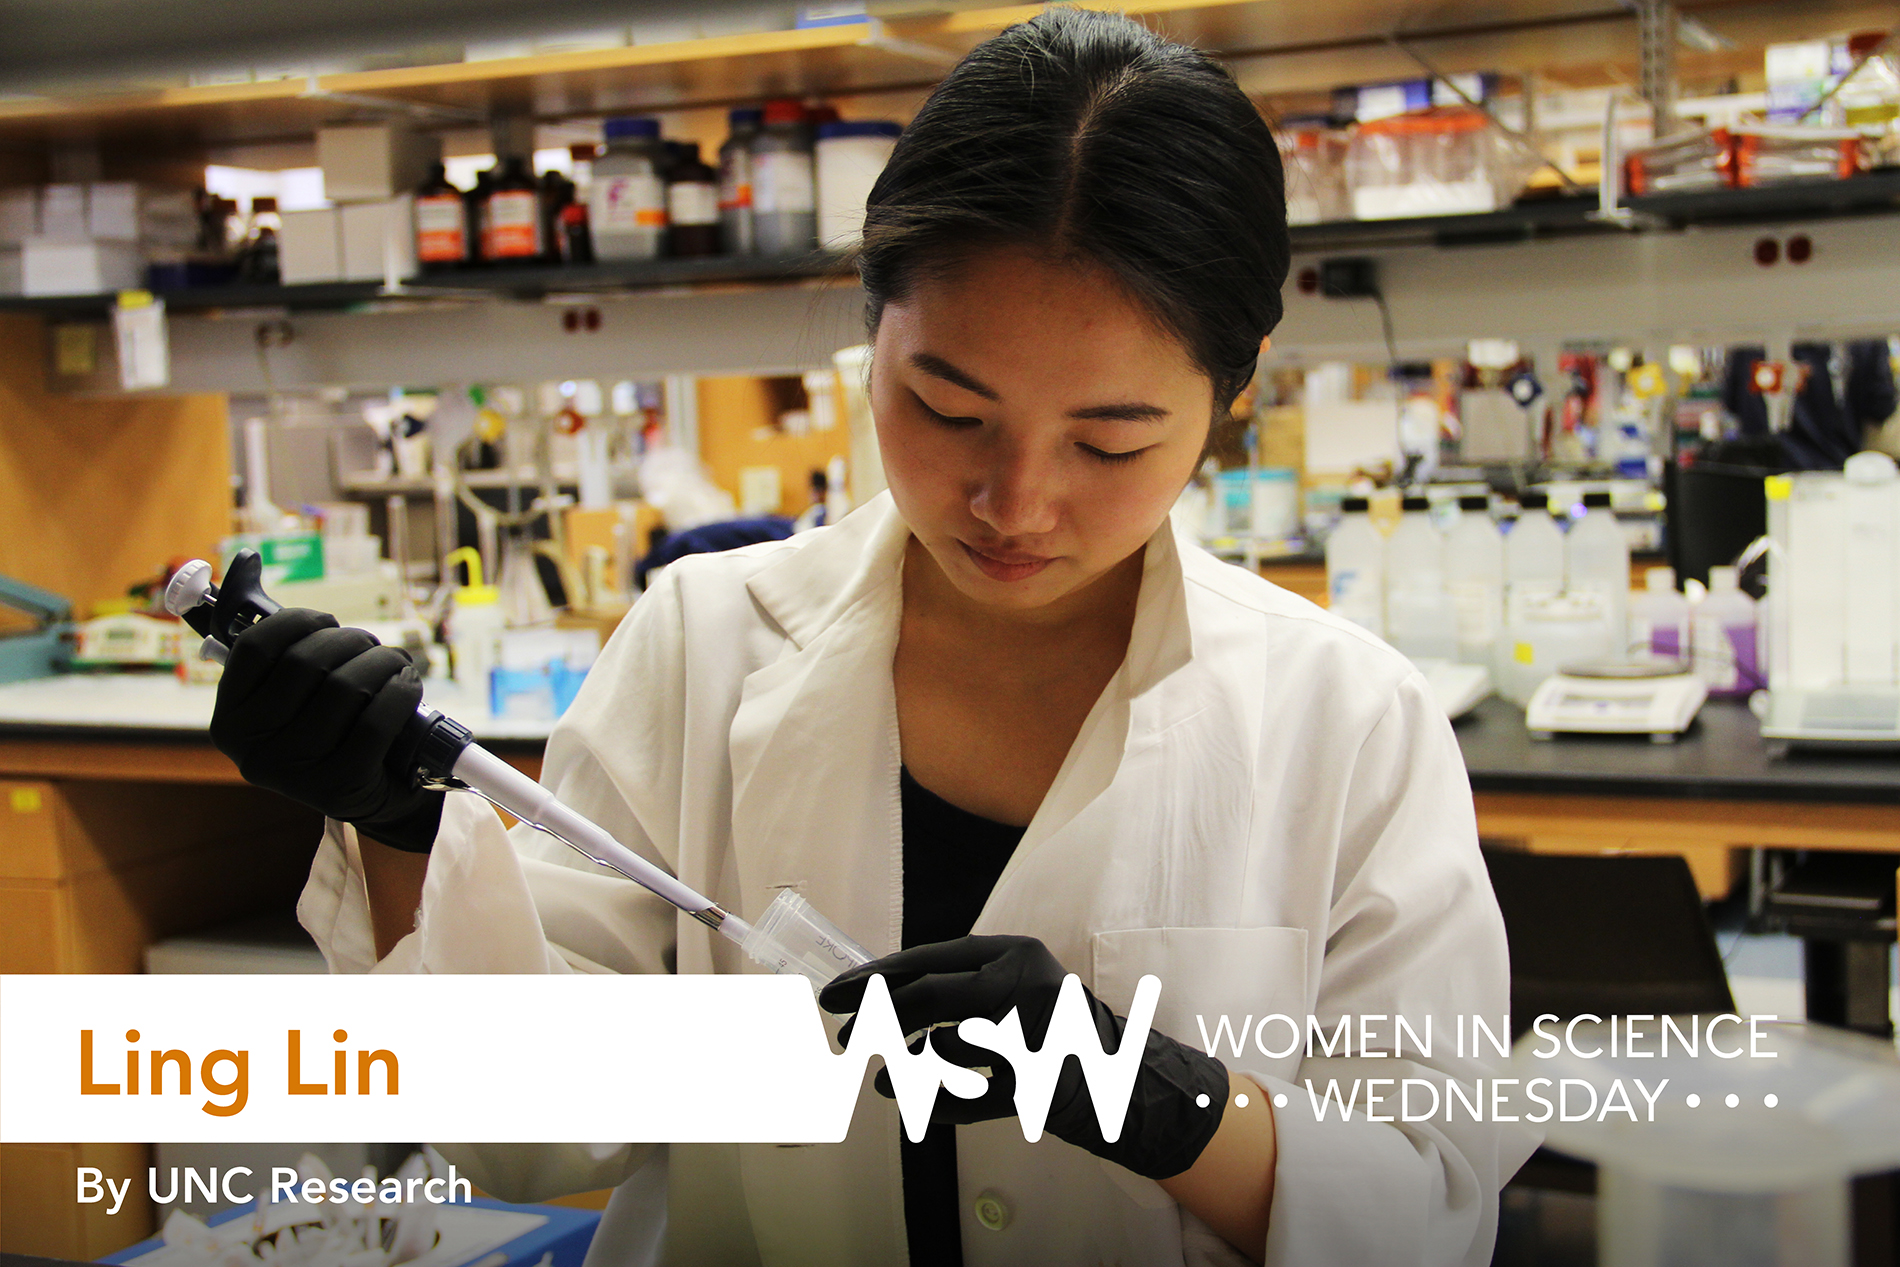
x,y
1517,138
877,35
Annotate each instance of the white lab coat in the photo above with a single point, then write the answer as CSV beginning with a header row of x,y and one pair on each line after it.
x,y
1265,808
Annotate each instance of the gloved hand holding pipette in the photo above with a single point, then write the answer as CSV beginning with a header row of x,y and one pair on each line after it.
x,y
322,715
332,719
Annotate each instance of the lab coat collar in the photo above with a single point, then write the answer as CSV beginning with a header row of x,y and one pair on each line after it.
x,y
808,590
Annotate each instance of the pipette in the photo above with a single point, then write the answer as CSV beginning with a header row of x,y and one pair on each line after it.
x,y
790,936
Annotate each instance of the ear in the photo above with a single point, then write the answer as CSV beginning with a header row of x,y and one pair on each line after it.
x,y
1266,342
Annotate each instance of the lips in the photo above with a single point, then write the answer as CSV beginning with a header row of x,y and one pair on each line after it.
x,y
1005,565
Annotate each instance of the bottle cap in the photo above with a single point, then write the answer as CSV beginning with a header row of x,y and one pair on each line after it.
x,y
1415,503
744,116
621,129
858,127
1660,580
1596,501
784,110
1534,499
263,202
1723,580
476,595
1354,505
1474,501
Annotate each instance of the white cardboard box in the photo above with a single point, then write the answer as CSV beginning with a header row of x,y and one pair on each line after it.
x,y
52,267
63,212
19,215
370,162
379,239
112,211
310,247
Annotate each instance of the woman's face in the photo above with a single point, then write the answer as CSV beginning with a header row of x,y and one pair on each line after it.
x,y
1036,424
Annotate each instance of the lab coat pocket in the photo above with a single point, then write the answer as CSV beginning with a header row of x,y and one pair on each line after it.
x,y
1235,993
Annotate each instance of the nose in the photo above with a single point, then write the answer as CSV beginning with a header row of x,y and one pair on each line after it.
x,y
1014,492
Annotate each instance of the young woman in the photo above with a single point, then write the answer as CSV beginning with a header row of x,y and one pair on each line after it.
x,y
999,724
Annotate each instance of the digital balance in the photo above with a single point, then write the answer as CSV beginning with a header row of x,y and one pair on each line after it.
x,y
1650,695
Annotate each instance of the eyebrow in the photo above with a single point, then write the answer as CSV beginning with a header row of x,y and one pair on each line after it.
x,y
1119,411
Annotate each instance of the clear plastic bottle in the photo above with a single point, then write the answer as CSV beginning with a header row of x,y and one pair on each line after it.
x,y
1659,617
1355,567
1597,564
1474,576
692,205
1533,556
735,180
784,190
1420,618
626,197
1723,637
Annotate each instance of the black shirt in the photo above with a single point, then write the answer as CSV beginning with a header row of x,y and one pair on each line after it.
x,y
952,859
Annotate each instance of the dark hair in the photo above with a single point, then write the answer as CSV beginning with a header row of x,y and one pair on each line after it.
x,y
1085,134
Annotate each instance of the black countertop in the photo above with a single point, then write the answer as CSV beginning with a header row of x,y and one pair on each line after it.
x,y
1722,756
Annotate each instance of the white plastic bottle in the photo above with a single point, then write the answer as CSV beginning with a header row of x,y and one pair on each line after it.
x,y
626,199
1355,567
1723,633
1533,555
475,628
1659,617
1474,576
1597,563
1420,619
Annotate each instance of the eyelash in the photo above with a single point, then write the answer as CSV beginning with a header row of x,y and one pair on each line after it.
x,y
1109,459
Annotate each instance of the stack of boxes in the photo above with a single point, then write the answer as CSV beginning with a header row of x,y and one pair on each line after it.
x,y
81,239
368,233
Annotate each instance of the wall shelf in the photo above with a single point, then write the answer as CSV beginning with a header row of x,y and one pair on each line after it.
x,y
531,283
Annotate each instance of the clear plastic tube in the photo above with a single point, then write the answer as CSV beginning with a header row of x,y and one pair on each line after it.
x,y
791,936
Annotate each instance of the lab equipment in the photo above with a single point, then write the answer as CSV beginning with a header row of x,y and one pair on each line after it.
x,y
1659,616
42,650
1597,563
1746,1162
511,215
1833,672
784,193
1548,632
1722,636
1420,618
735,181
692,205
446,757
1442,161
1355,567
1474,576
441,222
475,623
850,156
1533,555
1617,696
626,203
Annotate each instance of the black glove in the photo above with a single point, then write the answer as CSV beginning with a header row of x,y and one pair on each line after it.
x,y
316,713
947,981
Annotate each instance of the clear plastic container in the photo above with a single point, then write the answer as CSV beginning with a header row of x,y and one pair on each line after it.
x,y
1597,562
735,180
1533,556
1355,568
1659,617
1443,161
784,188
793,937
1313,156
1723,634
1545,635
1695,160
1474,577
1420,617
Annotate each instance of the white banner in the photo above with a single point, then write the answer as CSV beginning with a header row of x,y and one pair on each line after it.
x,y
556,1059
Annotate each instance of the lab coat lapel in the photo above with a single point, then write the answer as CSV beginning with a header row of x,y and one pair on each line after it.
x,y
814,741
1127,715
